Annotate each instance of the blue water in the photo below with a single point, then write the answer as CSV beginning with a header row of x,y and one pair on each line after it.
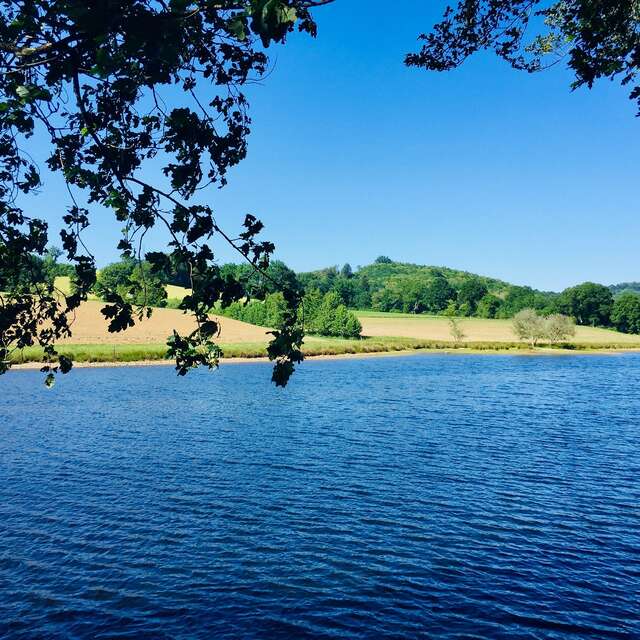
x,y
414,497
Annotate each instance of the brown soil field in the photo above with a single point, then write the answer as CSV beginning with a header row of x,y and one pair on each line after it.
x,y
475,330
90,327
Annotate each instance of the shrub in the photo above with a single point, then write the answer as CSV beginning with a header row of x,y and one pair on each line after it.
x,y
322,315
456,330
529,325
331,318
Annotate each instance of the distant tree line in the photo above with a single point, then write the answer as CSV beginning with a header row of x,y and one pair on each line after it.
x,y
391,286
625,287
385,285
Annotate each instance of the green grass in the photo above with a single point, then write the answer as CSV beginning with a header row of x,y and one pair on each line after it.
x,y
97,353
314,346
365,313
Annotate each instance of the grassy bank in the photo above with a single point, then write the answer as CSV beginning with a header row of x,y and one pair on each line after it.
x,y
314,346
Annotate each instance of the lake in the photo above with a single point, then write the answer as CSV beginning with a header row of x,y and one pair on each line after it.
x,y
436,496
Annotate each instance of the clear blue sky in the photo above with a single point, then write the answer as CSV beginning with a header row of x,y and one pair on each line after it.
x,y
487,169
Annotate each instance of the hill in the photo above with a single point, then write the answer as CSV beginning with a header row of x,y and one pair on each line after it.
x,y
386,285
623,287
380,273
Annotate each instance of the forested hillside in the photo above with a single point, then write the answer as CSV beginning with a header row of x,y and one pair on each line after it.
x,y
385,286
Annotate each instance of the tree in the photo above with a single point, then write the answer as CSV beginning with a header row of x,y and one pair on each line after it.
x,y
322,280
488,306
558,328
383,260
346,271
387,299
346,289
625,287
625,315
456,331
133,282
597,38
470,293
52,268
516,299
439,294
275,277
275,310
589,303
529,326
22,278
79,72
362,299
90,77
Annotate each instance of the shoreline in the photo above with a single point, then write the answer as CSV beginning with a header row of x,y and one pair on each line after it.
x,y
461,351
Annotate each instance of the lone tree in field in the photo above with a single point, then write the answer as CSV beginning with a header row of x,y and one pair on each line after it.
x,y
529,326
559,328
91,78
456,331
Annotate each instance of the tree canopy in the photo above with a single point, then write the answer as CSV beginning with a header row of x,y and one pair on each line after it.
x,y
596,38
589,303
625,315
90,78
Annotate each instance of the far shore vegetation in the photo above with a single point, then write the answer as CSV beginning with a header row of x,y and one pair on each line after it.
x,y
132,353
330,295
383,307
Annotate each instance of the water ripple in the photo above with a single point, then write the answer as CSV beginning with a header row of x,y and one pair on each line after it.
x,y
438,497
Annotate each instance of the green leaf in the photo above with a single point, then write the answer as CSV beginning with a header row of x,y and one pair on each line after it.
x,y
23,92
236,27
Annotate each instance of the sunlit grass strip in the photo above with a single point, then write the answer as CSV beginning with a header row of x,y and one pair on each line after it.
x,y
314,346
97,353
